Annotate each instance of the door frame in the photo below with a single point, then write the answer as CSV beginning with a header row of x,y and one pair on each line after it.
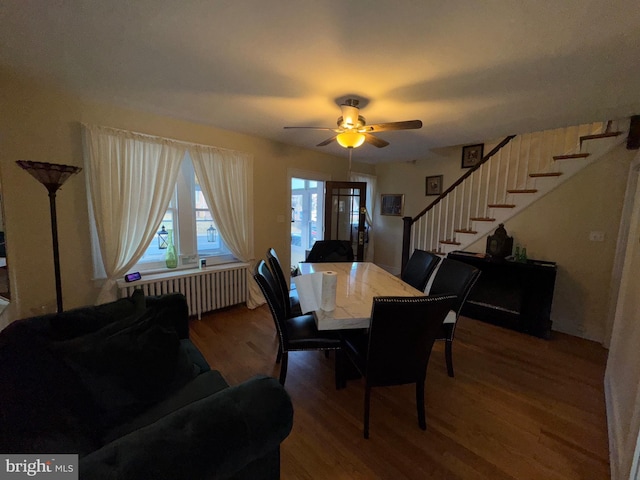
x,y
362,187
307,175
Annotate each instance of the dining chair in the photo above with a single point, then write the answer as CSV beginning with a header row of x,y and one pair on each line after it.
x,y
289,297
328,251
419,268
397,347
298,333
455,278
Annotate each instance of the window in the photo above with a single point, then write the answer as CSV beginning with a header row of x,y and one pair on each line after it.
x,y
189,223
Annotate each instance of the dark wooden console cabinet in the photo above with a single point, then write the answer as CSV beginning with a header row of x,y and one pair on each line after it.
x,y
511,294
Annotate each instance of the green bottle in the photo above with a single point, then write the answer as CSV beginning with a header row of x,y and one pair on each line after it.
x,y
171,258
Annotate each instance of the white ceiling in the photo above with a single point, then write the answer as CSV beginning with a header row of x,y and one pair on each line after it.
x,y
470,70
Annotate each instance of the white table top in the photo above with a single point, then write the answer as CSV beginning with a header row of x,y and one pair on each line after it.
x,y
358,283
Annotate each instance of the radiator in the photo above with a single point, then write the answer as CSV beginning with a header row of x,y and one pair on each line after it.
x,y
208,289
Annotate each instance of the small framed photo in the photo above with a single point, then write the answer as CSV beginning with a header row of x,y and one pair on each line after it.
x,y
434,185
391,204
471,155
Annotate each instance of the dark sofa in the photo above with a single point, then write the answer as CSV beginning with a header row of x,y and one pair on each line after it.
x,y
121,385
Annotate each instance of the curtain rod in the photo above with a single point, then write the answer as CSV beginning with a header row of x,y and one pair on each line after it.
x,y
159,138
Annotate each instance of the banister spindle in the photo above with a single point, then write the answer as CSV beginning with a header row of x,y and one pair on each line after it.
x,y
486,189
516,171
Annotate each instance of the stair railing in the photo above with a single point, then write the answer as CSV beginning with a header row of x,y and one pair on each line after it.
x,y
487,185
409,221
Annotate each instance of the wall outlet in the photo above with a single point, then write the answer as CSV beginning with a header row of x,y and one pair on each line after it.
x,y
596,236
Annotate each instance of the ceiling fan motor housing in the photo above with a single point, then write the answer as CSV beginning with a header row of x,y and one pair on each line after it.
x,y
350,118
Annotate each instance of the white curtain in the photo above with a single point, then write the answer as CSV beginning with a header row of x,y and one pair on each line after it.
x,y
371,205
226,179
130,179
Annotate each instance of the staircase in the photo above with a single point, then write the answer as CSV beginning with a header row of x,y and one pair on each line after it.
x,y
519,171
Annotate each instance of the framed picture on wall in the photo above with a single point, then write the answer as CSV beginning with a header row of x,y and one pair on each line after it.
x,y
391,204
471,155
434,185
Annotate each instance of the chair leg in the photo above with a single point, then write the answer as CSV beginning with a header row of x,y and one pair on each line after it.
x,y
341,381
279,356
283,367
448,353
420,404
367,403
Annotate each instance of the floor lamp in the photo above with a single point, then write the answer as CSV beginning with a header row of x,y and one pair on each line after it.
x,y
52,176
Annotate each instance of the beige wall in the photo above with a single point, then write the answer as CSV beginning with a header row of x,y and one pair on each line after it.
x,y
408,178
556,228
43,124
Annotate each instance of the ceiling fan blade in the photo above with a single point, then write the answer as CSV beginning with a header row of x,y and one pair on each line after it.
x,y
383,127
375,141
316,128
327,141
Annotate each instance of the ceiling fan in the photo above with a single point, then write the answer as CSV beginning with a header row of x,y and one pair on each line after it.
x,y
353,131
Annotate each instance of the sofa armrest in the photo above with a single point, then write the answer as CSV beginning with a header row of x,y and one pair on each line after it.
x,y
211,438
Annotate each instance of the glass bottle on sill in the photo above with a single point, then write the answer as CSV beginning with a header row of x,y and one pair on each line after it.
x,y
171,257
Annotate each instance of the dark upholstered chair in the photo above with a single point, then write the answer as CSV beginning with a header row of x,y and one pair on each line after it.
x,y
329,251
397,348
295,333
290,298
456,278
419,268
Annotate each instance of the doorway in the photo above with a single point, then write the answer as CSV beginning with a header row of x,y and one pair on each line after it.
x,y
345,211
307,200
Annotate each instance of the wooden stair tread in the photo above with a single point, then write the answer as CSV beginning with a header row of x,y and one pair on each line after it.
x,y
501,205
450,242
524,190
548,174
482,219
462,230
599,135
570,156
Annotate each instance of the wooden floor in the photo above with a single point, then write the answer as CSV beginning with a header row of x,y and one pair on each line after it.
x,y
519,407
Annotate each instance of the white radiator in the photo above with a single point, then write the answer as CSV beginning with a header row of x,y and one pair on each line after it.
x,y
208,289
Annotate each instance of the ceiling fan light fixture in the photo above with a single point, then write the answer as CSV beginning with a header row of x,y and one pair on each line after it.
x,y
350,139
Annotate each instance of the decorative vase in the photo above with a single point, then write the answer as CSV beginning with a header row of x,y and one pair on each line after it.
x,y
171,258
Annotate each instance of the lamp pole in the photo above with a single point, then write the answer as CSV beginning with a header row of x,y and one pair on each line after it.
x,y
56,251
52,176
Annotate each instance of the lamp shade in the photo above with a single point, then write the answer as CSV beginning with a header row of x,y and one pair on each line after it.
x,y
350,139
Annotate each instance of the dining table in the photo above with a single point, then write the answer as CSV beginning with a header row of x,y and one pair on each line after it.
x,y
357,284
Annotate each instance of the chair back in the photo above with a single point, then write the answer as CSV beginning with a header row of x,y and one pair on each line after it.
x,y
419,268
278,273
456,278
271,291
401,336
328,251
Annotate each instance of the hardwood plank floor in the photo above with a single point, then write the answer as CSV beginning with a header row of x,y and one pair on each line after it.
x,y
519,407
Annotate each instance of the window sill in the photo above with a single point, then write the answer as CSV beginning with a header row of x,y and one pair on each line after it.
x,y
152,276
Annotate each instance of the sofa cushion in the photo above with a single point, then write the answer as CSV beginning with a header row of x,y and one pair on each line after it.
x,y
43,405
129,364
82,321
200,387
